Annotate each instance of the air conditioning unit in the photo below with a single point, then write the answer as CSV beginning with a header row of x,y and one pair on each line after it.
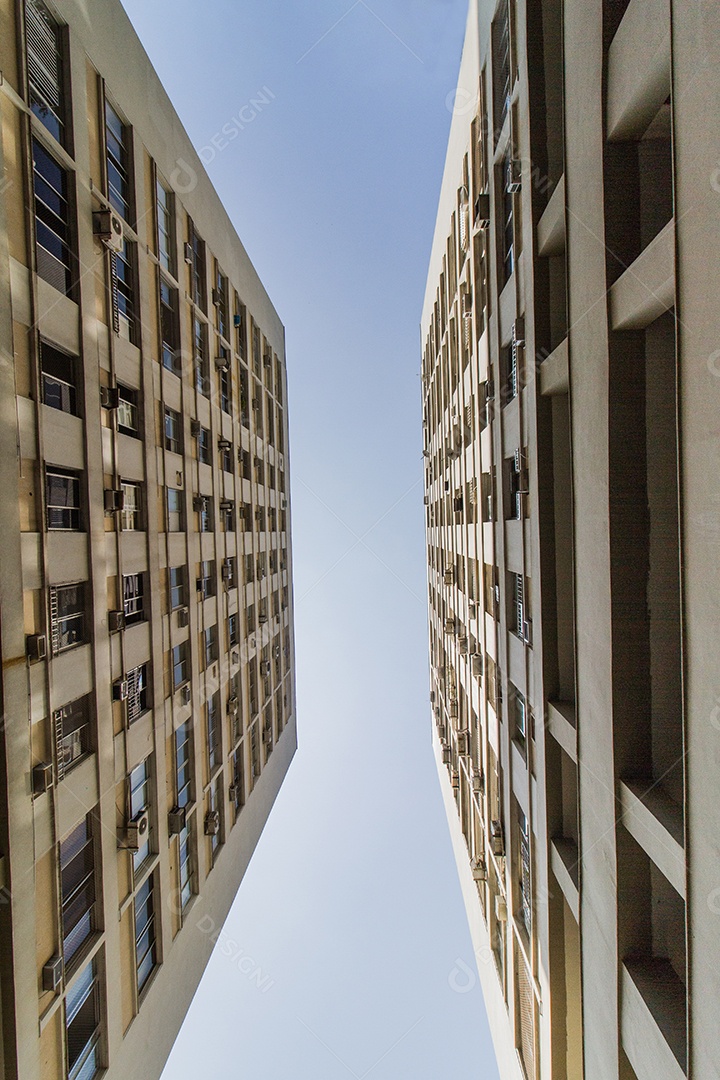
x,y
52,974
114,500
518,333
222,361
234,792
183,617
36,647
527,631
265,667
185,694
477,665
466,305
482,211
195,429
455,780
447,755
432,696
449,577
226,570
237,322
479,869
212,823
42,777
120,690
501,911
188,253
217,297
462,644
235,657
136,831
199,503
227,504
267,736
449,626
108,227
109,397
176,820
453,708
513,177
463,743
479,782
472,610
233,706
497,840
116,621
262,619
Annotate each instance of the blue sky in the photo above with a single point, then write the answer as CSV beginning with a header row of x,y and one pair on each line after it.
x,y
351,904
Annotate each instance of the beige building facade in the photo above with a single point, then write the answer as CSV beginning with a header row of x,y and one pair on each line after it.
x,y
571,394
148,701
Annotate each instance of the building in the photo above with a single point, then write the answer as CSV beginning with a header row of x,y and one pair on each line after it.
x,y
146,619
571,384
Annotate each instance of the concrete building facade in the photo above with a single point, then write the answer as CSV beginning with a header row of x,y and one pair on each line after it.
x,y
571,387
148,702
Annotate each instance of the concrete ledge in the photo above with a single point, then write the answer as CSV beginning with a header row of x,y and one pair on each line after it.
x,y
555,371
647,288
564,858
638,68
551,226
655,821
652,1019
562,725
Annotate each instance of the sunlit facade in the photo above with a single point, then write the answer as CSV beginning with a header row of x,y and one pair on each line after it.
x,y
145,576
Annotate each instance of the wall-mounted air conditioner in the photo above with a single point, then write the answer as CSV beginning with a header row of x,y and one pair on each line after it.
x,y
113,500
212,823
36,647
42,777
52,974
183,617
513,177
136,831
185,694
176,820
108,227
116,621
120,690
497,839
109,397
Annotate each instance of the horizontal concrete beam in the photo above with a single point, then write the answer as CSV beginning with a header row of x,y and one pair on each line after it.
x,y
564,859
554,371
638,68
655,821
647,288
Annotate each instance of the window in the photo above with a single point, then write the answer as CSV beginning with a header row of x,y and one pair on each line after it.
x,y
173,431
227,458
213,733
240,328
67,617
254,752
53,226
82,1025
77,878
139,800
204,446
225,391
165,213
518,717
122,277
197,268
220,300
501,66
206,582
185,867
210,644
169,333
145,942
509,371
508,227
246,464
207,515
519,621
138,699
517,479
45,65
175,500
128,416
183,764
244,397
177,578
249,568
133,598
202,378
73,733
524,871
59,372
233,631
238,792
131,513
256,349
117,140
227,515
62,498
180,666
215,807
